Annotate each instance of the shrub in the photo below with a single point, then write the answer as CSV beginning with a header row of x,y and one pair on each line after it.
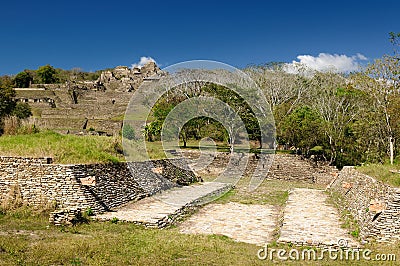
x,y
27,128
11,125
89,212
23,80
128,132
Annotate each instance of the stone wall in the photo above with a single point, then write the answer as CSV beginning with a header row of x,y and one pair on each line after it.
x,y
96,186
287,167
294,167
375,205
78,106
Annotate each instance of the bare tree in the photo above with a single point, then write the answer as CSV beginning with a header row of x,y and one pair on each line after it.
x,y
381,80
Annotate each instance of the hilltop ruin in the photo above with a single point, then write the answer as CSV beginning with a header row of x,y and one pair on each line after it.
x,y
82,106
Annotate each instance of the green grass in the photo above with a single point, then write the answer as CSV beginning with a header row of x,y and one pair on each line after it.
x,y
118,118
26,238
347,220
84,149
63,148
382,172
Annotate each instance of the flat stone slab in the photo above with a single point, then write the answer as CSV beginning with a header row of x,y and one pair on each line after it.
x,y
162,209
309,220
252,224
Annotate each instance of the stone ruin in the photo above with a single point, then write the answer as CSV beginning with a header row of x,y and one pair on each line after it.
x,y
76,188
80,106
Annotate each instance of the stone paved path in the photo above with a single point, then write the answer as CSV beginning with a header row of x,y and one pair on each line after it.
x,y
162,209
252,224
309,220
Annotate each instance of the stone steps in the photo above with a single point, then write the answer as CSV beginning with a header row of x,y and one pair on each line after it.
x,y
164,209
283,167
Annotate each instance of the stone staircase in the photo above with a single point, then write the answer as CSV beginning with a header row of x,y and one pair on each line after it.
x,y
287,167
293,167
100,110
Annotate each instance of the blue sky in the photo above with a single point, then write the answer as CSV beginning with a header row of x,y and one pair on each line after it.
x,y
95,35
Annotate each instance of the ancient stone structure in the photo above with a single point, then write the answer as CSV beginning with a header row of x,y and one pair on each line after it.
x,y
79,106
375,205
99,187
165,208
284,167
124,79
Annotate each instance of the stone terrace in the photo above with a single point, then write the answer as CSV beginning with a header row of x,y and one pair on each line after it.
x,y
309,220
163,209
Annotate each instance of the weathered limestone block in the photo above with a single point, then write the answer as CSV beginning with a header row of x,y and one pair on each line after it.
x,y
375,205
99,187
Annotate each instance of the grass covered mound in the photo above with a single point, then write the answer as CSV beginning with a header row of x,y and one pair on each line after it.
x,y
63,149
383,172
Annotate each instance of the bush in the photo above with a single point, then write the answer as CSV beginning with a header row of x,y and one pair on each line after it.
x,y
27,128
13,125
23,80
22,110
89,212
128,132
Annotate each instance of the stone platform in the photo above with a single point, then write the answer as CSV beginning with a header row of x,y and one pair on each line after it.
x,y
164,209
310,221
253,224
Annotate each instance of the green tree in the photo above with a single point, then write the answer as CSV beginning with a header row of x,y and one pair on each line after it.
x,y
22,110
394,38
303,128
7,93
23,80
7,103
381,81
339,105
47,74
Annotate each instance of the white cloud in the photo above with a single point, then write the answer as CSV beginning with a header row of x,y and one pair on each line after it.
x,y
143,60
361,57
327,62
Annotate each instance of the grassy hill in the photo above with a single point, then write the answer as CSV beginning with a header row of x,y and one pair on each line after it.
x,y
64,149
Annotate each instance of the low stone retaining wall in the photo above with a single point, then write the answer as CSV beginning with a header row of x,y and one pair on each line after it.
x,y
287,167
185,210
375,205
99,187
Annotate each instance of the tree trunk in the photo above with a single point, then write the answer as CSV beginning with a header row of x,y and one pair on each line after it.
x,y
231,141
391,144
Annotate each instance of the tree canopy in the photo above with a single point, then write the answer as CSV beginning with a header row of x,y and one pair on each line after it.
x,y
23,80
7,93
47,74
